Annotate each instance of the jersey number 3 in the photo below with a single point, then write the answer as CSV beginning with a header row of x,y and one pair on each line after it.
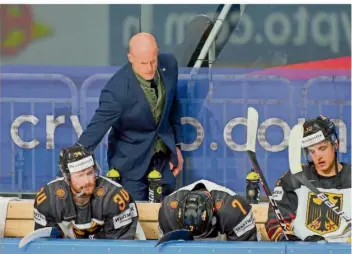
x,y
121,198
41,196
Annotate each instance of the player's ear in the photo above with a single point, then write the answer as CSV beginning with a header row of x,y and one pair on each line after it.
x,y
336,145
130,58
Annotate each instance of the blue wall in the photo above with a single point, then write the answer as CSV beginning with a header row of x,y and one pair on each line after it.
x,y
214,151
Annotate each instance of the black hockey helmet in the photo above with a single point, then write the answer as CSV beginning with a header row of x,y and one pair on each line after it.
x,y
195,213
76,158
317,130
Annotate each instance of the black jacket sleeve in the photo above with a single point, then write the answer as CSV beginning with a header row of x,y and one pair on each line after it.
x,y
287,202
108,113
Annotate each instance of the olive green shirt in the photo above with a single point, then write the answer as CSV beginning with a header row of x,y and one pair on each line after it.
x,y
156,105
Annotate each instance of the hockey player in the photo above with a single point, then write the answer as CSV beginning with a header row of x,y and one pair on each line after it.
x,y
84,205
207,210
309,218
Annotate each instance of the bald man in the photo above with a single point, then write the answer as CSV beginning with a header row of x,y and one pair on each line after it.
x,y
139,105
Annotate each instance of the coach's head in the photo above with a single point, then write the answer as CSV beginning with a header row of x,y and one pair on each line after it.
x,y
143,55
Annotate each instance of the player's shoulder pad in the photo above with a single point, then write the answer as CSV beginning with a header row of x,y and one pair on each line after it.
x,y
233,209
287,182
113,195
107,188
57,181
43,208
57,187
172,200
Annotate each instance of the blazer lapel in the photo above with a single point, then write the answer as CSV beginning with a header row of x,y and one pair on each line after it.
x,y
166,82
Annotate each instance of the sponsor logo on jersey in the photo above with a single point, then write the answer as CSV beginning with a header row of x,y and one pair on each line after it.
x,y
319,217
39,218
125,218
245,225
173,204
100,191
60,192
278,193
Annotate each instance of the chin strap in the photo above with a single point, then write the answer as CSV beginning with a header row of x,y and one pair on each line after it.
x,y
338,175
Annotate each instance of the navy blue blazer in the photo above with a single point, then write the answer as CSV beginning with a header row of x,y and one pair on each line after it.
x,y
124,107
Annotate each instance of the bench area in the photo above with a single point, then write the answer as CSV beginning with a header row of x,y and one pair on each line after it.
x,y
19,219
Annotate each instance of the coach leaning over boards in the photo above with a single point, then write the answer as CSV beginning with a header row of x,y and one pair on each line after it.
x,y
139,104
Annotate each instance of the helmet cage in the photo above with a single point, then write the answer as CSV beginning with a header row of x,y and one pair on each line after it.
x,y
195,213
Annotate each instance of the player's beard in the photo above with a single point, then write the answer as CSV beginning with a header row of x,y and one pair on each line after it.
x,y
87,190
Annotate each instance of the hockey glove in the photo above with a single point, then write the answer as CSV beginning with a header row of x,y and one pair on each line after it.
x,y
291,238
314,238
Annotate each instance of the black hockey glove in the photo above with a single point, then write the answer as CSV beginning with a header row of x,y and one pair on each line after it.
x,y
291,238
314,238
98,235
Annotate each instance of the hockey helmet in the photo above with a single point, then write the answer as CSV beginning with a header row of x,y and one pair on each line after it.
x,y
76,158
195,213
317,130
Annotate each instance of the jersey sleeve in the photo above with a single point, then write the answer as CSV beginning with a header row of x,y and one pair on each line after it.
x,y
287,202
236,219
122,217
42,212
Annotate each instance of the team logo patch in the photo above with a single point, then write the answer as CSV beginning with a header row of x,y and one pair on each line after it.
x,y
60,192
173,204
76,154
100,191
159,190
218,204
320,218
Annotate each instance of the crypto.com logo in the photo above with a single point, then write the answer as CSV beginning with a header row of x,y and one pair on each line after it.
x,y
18,28
52,122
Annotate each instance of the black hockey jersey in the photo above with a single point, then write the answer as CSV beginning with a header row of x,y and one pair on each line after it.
x,y
111,212
234,217
305,212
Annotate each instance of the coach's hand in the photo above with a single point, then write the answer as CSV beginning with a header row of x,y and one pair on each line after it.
x,y
177,169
